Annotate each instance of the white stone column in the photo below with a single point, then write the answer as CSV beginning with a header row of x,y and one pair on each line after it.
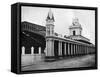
x,y
71,49
46,52
52,47
85,49
32,50
68,49
81,49
74,49
65,48
61,48
23,50
49,47
88,50
39,50
77,49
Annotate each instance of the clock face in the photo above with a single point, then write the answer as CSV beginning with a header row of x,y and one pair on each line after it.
x,y
75,21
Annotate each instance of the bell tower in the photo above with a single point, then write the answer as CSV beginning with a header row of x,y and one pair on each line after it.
x,y
50,24
75,28
76,31
49,32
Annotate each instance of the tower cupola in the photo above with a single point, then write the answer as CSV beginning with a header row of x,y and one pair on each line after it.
x,y
50,24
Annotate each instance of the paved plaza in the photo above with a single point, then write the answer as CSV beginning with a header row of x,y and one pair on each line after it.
x,y
70,62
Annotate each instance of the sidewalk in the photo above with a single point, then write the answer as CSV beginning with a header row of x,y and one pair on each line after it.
x,y
82,61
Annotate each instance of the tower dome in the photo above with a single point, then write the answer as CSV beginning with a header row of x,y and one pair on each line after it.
x,y
75,28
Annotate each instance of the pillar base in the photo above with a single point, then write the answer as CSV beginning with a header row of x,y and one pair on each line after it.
x,y
50,59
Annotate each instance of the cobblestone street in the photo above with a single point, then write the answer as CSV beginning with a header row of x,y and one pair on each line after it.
x,y
74,62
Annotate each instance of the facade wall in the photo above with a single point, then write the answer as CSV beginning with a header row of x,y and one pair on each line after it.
x,y
78,31
61,48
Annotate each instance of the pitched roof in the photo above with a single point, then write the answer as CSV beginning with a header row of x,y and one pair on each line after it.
x,y
50,16
36,28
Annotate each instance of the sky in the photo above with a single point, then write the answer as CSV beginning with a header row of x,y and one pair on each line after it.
x,y
63,19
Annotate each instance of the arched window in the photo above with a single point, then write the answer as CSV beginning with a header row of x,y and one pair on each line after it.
x,y
74,33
